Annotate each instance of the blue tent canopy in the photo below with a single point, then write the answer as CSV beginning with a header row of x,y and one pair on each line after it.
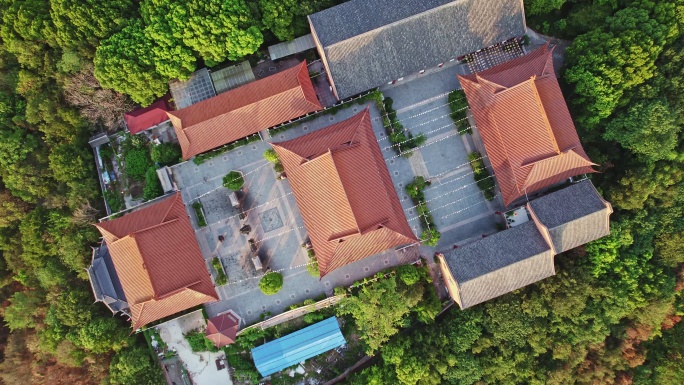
x,y
298,346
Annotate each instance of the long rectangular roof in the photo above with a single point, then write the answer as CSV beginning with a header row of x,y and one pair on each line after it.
x,y
525,124
244,111
344,192
293,348
500,263
574,215
368,43
158,260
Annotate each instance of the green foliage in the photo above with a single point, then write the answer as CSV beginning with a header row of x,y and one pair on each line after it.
x,y
153,187
137,163
648,129
287,18
271,283
312,266
199,342
114,200
83,23
482,177
408,274
166,154
215,29
133,366
430,237
538,7
382,307
22,311
221,278
458,104
201,221
101,335
233,180
415,188
125,62
271,156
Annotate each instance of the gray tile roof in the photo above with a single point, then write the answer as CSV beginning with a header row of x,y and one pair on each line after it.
x,y
500,263
105,282
574,215
368,43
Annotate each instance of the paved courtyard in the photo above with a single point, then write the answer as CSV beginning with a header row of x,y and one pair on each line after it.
x,y
454,200
268,206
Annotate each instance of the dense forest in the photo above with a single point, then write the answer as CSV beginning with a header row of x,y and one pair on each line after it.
x,y
69,68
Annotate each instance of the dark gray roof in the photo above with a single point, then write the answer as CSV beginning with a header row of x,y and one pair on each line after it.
x,y
105,282
368,43
574,215
500,263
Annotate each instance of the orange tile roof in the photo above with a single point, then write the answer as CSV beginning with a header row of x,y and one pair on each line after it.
x,y
158,260
245,110
525,124
344,192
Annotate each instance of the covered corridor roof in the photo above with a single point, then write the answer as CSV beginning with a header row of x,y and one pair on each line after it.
x,y
244,111
293,348
148,247
344,192
525,124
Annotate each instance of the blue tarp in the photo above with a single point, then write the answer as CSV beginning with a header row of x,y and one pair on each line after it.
x,y
298,346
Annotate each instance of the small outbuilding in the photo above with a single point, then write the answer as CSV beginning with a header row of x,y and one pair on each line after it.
x,y
296,347
222,329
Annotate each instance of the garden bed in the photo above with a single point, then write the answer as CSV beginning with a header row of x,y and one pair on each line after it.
x,y
483,179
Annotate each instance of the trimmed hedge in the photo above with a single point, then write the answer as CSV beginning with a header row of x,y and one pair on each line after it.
x,y
482,177
430,236
221,278
201,221
459,105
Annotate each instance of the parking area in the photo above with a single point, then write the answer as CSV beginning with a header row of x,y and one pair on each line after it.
x,y
457,205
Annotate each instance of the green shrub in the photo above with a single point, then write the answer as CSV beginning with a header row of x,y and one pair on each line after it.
x,y
138,161
271,283
221,278
233,181
415,189
114,200
199,342
459,105
312,266
153,187
106,152
278,167
271,156
166,154
482,177
201,222
408,274
430,237
339,290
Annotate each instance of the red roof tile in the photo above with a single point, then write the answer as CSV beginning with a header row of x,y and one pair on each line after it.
x,y
144,118
245,110
525,124
158,260
222,329
344,192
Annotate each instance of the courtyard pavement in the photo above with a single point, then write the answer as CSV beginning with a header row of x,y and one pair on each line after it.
x,y
200,366
457,205
454,200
